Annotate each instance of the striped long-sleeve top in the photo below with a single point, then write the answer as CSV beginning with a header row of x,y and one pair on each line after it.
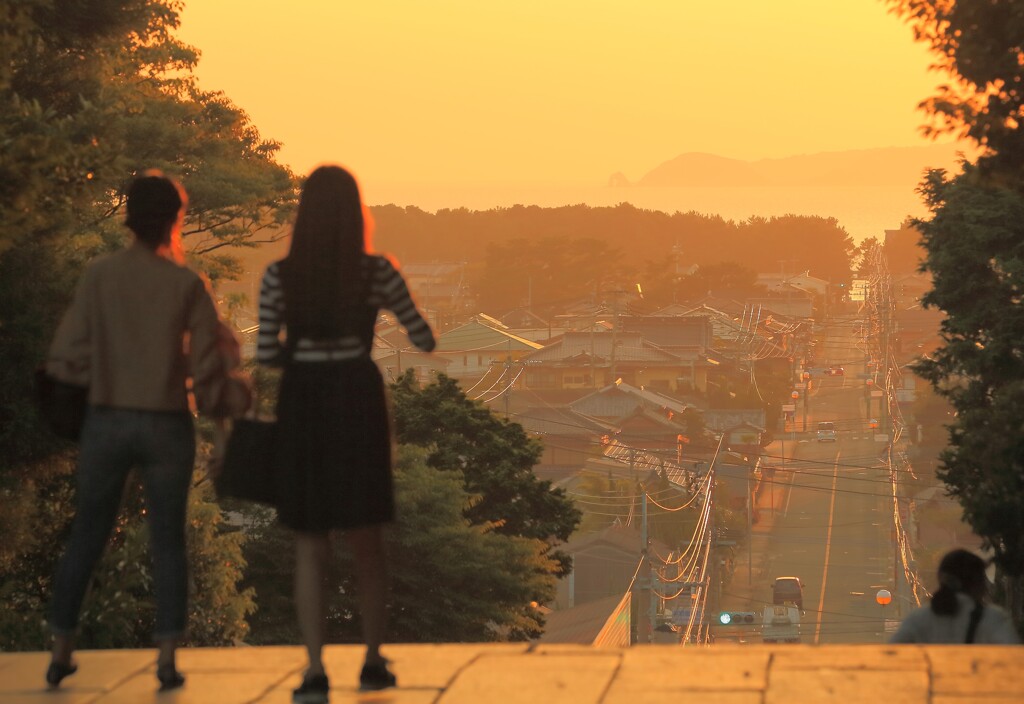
x,y
387,291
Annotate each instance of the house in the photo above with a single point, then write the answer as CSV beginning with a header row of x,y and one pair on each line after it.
x,y
721,419
671,332
483,346
438,286
618,400
744,438
394,361
583,624
569,438
795,306
603,565
595,359
784,283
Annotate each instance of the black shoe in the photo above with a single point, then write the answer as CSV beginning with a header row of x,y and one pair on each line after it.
x,y
58,671
313,690
375,677
169,678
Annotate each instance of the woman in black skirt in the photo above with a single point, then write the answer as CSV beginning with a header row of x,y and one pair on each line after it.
x,y
334,438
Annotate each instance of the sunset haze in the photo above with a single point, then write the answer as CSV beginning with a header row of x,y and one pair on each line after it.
x,y
566,93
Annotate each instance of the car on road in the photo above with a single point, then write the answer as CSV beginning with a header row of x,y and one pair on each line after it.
x,y
835,371
826,432
781,624
788,590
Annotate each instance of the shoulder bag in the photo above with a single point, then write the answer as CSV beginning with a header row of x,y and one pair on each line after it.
x,y
60,404
248,469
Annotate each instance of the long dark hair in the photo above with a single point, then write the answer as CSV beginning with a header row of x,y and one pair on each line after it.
x,y
324,268
959,571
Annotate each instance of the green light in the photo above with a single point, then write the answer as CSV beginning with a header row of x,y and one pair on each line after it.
x,y
725,619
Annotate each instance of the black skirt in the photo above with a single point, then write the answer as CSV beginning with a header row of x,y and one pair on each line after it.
x,y
334,447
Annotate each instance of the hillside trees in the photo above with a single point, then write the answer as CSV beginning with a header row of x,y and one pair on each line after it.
x,y
550,257
973,241
91,93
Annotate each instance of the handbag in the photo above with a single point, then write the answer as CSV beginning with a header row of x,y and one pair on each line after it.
x,y
248,469
60,404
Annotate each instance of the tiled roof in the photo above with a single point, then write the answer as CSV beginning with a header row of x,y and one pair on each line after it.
x,y
548,420
580,624
629,347
476,336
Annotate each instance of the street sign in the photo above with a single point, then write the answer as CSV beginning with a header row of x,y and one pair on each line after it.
x,y
790,407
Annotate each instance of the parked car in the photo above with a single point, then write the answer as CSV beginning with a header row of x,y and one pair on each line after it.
x,y
788,590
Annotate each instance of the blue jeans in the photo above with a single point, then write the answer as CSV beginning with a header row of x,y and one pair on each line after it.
x,y
161,447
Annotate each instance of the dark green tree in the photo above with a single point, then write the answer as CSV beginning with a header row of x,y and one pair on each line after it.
x,y
91,92
978,46
973,242
494,456
975,245
452,580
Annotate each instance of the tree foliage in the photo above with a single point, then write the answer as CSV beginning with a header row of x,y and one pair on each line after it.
x,y
494,456
978,45
90,93
975,244
552,255
452,580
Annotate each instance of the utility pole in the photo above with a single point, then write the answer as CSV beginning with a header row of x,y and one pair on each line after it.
x,y
645,616
508,371
750,533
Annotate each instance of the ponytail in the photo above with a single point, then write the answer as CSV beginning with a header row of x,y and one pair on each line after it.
x,y
959,572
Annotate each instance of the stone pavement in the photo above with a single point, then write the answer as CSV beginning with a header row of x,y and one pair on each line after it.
x,y
521,673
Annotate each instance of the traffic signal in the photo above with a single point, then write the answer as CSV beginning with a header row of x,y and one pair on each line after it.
x,y
735,618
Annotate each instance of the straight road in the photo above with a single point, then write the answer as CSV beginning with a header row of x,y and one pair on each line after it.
x,y
834,530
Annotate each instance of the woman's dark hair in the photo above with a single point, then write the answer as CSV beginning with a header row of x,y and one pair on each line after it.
x,y
324,267
154,202
959,571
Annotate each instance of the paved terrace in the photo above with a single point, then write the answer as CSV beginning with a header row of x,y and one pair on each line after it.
x,y
512,673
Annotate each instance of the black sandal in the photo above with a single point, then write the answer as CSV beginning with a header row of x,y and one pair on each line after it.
x,y
57,671
374,677
169,677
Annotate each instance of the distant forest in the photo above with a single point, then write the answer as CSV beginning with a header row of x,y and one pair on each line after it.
x,y
550,256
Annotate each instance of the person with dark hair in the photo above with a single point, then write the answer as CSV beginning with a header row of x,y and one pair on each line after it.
x,y
958,612
333,430
143,334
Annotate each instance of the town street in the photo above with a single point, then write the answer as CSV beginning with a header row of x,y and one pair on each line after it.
x,y
832,520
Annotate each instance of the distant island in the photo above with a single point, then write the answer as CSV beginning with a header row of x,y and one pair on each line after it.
x,y
898,167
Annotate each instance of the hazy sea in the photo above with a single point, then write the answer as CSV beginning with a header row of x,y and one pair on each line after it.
x,y
865,211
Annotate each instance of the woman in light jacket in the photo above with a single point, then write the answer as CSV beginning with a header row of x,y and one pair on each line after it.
x,y
143,333
958,612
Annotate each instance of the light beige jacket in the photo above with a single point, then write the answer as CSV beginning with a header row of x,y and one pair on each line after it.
x,y
143,333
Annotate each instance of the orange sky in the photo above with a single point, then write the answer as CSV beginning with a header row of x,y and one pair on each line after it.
x,y
559,91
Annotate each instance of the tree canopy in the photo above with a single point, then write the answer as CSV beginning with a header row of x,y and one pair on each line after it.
x,y
494,456
973,241
978,45
91,93
551,256
975,244
452,580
